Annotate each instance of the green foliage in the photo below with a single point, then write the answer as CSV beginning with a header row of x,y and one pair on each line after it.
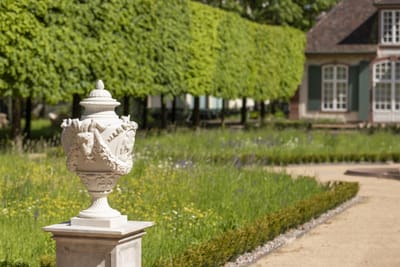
x,y
234,57
5,263
21,61
248,60
300,14
109,40
48,261
203,48
172,46
279,62
54,49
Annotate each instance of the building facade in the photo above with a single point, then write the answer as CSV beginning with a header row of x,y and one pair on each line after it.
x,y
352,69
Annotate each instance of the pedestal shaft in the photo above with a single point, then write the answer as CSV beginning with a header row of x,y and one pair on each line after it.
x,y
80,246
98,252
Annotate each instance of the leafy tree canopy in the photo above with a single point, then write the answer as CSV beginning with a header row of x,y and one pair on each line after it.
x,y
55,49
300,14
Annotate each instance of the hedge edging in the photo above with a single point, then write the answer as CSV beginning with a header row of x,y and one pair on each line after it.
x,y
274,159
233,243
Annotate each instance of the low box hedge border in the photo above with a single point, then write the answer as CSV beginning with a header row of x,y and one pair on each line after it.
x,y
232,243
5,263
269,160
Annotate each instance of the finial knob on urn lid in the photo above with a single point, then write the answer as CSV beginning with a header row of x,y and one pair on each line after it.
x,y
100,105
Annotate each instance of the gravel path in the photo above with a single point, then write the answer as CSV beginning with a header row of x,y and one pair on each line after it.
x,y
365,234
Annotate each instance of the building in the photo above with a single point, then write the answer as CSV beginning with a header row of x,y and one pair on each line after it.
x,y
352,69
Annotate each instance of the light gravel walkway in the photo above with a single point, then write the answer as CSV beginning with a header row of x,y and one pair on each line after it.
x,y
366,234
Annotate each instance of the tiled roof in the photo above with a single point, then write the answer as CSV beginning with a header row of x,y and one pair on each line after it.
x,y
350,27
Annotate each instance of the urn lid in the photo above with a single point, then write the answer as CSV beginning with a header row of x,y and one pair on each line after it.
x,y
100,105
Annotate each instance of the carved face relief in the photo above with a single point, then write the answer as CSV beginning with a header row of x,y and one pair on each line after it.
x,y
86,141
125,149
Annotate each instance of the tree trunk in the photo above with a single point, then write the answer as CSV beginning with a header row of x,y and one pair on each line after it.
x,y
274,106
243,119
42,112
126,105
163,112
262,112
173,115
196,112
144,112
76,108
16,129
28,118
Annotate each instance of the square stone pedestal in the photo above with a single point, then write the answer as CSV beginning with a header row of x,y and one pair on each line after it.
x,y
86,246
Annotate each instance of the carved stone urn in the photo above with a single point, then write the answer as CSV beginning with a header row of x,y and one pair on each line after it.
x,y
99,150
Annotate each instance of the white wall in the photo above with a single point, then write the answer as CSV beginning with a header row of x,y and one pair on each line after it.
x,y
213,102
322,60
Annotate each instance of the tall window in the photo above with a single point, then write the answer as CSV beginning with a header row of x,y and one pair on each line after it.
x,y
334,87
387,86
390,27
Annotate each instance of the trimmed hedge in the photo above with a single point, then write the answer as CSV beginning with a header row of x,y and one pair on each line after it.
x,y
274,159
144,47
282,160
5,263
232,243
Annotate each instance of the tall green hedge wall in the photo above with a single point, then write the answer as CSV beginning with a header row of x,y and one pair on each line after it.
x,y
54,48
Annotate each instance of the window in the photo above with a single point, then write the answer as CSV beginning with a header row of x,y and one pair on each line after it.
x,y
390,27
387,86
334,88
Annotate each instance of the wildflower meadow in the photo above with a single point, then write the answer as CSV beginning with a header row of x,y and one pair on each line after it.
x,y
176,182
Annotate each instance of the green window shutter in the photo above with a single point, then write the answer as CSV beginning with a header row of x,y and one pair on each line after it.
x,y
314,88
353,88
364,85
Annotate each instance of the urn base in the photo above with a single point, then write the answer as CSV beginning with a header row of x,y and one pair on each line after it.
x,y
102,223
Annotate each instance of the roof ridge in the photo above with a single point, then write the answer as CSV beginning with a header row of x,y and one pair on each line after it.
x,y
331,11
350,26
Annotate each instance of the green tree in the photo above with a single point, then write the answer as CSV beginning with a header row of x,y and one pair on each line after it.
x,y
300,14
171,51
24,69
203,49
104,40
57,49
235,54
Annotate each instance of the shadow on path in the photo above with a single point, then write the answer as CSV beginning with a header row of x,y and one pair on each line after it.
x,y
388,173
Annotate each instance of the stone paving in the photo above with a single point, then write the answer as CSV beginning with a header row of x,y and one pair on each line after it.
x,y
366,234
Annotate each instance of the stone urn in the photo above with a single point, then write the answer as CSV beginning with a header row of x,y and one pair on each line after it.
x,y
99,150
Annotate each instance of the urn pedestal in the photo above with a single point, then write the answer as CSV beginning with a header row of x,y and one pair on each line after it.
x,y
85,246
99,150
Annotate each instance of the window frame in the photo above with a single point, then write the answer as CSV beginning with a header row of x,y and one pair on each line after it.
x,y
394,33
392,83
336,102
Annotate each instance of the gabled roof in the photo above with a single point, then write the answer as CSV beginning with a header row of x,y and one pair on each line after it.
x,y
350,27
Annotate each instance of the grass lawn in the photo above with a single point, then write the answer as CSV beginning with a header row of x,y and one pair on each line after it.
x,y
189,203
231,145
174,183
